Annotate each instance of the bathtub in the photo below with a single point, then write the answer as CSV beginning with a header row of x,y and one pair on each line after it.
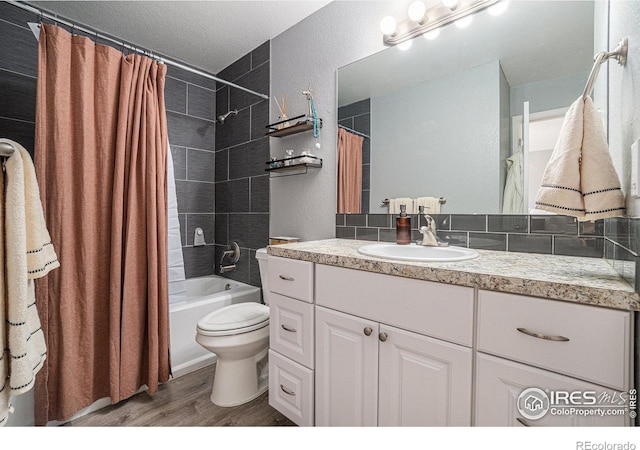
x,y
200,297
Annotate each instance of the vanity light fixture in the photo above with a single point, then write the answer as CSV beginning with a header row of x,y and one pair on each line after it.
x,y
422,20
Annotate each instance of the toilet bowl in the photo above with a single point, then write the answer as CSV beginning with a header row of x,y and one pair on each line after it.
x,y
239,336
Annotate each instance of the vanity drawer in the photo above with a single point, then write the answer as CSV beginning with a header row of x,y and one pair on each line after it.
x,y
291,277
439,310
291,328
586,342
291,389
499,383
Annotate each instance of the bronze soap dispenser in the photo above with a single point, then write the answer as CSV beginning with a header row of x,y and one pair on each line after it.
x,y
403,227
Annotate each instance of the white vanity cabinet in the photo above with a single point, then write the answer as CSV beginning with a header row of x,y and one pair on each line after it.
x,y
553,346
360,348
377,362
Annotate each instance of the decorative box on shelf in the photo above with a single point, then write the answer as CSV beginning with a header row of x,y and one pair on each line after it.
x,y
295,125
294,165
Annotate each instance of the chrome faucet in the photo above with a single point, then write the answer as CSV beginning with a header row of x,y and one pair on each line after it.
x,y
429,234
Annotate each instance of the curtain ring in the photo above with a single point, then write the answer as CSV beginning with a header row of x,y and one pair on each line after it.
x,y
73,30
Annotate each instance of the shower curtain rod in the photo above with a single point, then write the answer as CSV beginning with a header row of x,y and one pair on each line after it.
x,y
41,13
354,131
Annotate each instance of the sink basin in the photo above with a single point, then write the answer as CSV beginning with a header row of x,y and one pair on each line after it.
x,y
413,252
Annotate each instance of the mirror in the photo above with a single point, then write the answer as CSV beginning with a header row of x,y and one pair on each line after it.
x,y
442,117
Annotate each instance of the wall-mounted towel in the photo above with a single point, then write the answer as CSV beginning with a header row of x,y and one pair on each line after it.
x,y
394,205
580,179
26,252
431,204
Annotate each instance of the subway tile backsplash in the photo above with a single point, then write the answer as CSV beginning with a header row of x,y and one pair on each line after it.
x,y
616,239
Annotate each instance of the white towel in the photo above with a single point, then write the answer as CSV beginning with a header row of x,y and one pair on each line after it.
x,y
431,204
513,202
394,205
580,179
29,254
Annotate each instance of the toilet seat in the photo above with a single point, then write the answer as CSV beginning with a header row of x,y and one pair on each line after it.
x,y
234,319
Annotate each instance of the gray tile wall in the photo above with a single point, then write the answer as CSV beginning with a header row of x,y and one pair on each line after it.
x,y
18,76
241,183
357,116
191,112
617,240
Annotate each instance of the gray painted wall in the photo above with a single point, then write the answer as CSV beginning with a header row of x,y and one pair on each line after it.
x,y
441,157
310,52
624,93
548,94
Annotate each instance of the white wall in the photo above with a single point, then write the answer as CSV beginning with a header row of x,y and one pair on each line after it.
x,y
310,52
455,123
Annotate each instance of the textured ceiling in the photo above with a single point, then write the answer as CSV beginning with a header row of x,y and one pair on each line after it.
x,y
208,35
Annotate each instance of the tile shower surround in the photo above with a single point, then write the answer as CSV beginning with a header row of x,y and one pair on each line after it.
x,y
617,239
218,187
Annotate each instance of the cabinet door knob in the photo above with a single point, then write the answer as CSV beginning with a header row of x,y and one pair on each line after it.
x,y
368,331
383,336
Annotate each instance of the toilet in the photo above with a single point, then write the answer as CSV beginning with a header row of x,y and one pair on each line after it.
x,y
239,336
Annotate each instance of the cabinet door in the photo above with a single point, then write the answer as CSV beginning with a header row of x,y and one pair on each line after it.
x,y
423,381
499,383
346,369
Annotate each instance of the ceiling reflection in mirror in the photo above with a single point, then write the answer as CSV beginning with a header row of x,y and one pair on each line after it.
x,y
443,118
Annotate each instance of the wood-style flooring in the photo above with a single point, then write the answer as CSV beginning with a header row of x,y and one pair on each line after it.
x,y
183,401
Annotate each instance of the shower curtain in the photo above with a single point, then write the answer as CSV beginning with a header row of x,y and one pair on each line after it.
x,y
100,156
349,172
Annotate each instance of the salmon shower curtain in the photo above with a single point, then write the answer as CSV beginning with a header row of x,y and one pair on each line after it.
x,y
349,172
100,156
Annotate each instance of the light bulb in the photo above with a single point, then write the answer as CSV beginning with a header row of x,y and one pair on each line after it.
x,y
498,8
406,45
388,25
451,4
431,35
416,11
464,22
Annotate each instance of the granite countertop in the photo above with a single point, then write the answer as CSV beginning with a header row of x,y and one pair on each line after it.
x,y
582,280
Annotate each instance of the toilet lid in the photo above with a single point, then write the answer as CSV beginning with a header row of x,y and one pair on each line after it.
x,y
233,318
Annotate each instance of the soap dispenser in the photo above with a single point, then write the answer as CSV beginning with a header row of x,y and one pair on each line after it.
x,y
403,227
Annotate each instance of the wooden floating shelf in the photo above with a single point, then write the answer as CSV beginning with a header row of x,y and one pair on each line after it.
x,y
299,127
294,166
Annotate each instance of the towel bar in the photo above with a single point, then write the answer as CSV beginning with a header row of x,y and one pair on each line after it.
x,y
6,149
442,201
619,54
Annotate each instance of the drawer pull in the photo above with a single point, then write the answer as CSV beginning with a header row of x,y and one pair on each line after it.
x,y
524,422
290,330
543,336
367,331
285,278
287,391
383,336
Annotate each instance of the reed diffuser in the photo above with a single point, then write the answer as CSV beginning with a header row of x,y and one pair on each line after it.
x,y
283,112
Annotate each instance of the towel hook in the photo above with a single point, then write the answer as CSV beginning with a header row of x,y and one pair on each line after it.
x,y
619,54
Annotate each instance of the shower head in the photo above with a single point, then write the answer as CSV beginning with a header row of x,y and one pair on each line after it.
x,y
223,117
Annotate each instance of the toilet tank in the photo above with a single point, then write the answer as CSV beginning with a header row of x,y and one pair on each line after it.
x,y
261,256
